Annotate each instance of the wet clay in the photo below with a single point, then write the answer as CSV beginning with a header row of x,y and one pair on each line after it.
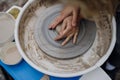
x,y
43,61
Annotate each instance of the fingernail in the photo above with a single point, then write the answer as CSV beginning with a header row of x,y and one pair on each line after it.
x,y
51,25
74,42
55,39
50,28
62,44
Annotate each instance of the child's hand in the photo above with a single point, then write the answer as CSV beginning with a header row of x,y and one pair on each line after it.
x,y
67,11
68,31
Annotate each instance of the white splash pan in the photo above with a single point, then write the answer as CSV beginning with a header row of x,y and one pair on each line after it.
x,y
98,64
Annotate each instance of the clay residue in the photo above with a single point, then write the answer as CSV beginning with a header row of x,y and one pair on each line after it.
x,y
33,52
45,77
6,4
10,54
6,28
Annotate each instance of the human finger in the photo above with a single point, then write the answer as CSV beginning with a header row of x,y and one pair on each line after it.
x,y
60,36
75,16
68,28
75,37
63,26
67,39
58,20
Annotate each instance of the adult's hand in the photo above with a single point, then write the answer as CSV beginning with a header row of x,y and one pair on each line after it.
x,y
68,31
67,11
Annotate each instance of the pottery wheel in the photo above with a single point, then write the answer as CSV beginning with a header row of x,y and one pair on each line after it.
x,y
45,37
